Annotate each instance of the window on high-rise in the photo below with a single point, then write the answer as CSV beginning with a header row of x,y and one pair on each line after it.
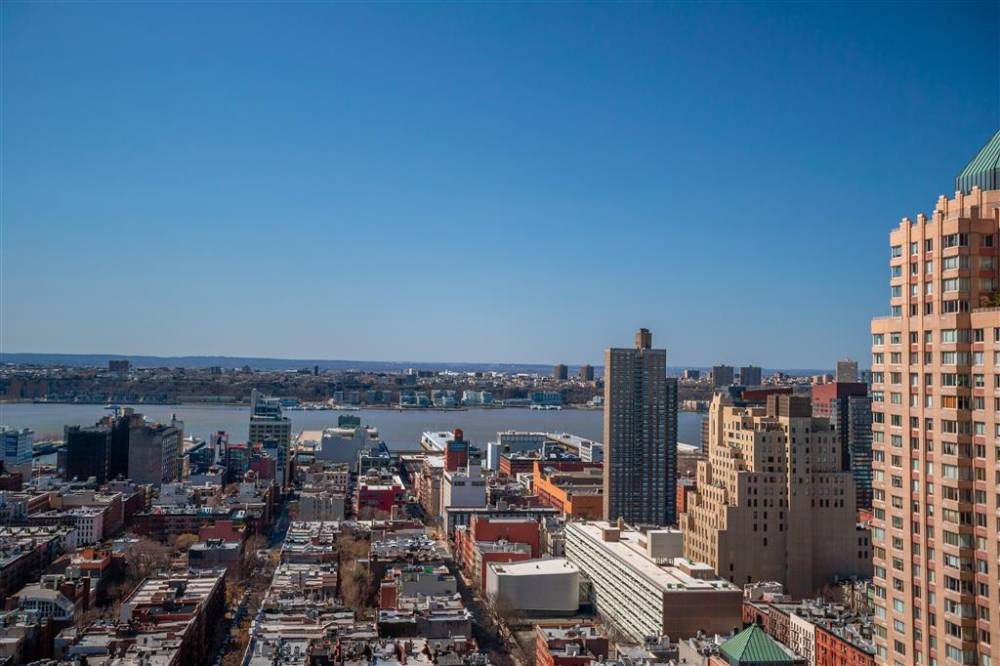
x,y
951,240
953,263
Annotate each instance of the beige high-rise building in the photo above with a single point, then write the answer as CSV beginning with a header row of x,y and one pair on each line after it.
x,y
773,501
936,400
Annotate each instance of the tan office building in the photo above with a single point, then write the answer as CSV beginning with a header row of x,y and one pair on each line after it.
x,y
936,399
773,500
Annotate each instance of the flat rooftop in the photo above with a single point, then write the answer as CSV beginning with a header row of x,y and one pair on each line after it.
x,y
437,440
313,436
559,565
631,553
571,440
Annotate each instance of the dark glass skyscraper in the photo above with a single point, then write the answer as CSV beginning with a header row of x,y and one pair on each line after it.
x,y
88,452
849,408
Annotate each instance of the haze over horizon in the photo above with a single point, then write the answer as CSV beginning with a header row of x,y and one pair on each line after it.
x,y
202,360
529,183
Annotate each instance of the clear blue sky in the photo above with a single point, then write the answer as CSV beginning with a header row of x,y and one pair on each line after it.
x,y
475,181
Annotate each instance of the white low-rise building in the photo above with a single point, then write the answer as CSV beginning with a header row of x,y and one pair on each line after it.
x,y
320,505
536,587
645,594
465,487
47,601
435,442
89,523
512,441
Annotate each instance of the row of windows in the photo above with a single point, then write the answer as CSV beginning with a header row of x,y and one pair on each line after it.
x,y
958,262
947,307
949,379
947,335
945,357
963,262
948,285
947,241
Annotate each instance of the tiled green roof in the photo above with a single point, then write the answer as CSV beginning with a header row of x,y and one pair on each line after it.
x,y
983,170
753,646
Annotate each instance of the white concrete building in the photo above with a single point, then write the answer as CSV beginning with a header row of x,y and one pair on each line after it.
x,y
435,441
521,440
802,637
320,505
89,523
587,449
591,451
646,596
45,599
512,441
536,586
465,487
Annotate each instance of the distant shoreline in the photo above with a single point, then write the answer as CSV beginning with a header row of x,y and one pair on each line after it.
x,y
339,408
264,363
342,408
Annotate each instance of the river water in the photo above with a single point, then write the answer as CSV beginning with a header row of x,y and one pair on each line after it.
x,y
399,429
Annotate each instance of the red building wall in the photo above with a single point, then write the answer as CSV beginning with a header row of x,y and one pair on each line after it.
x,y
515,531
517,465
832,650
379,497
593,648
486,558
684,488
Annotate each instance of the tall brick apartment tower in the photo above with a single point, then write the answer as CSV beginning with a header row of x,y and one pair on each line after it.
x,y
936,431
640,435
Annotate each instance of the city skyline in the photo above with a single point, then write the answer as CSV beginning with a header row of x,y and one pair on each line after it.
x,y
341,364
211,214
469,170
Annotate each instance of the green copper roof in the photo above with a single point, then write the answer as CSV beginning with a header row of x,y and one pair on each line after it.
x,y
753,646
983,170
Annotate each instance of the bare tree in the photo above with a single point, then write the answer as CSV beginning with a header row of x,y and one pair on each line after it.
x,y
355,585
506,615
356,588
253,545
143,559
372,513
183,542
